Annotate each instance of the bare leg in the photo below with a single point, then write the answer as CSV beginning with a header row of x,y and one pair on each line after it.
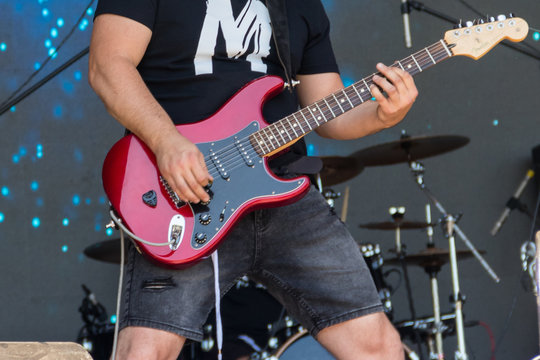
x,y
368,337
143,343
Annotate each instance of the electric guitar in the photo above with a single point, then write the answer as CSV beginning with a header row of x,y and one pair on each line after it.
x,y
236,155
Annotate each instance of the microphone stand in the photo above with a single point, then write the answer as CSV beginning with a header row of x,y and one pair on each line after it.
x,y
416,5
43,81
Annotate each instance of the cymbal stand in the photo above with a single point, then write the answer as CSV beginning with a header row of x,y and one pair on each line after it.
x,y
397,214
417,170
450,222
432,271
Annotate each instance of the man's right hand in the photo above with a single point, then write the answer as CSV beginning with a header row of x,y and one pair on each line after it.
x,y
182,164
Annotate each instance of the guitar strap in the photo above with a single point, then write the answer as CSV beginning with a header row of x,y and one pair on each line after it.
x,y
280,32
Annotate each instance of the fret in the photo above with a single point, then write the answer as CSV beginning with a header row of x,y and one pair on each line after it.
x,y
357,93
401,66
307,122
285,130
297,122
313,115
416,62
342,111
344,93
329,107
431,57
321,112
269,137
280,134
292,127
445,47
261,141
367,86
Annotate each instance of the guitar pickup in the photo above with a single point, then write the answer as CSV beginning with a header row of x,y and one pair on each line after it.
x,y
241,147
219,165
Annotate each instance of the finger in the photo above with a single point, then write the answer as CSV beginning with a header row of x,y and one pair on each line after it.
x,y
393,76
201,172
196,188
386,86
183,189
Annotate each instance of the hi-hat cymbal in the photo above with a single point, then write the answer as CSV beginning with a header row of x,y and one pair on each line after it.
x,y
409,149
393,225
432,257
108,251
337,169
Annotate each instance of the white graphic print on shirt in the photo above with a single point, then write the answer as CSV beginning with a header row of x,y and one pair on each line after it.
x,y
251,25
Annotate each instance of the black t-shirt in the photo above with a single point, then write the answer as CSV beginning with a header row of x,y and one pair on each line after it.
x,y
203,51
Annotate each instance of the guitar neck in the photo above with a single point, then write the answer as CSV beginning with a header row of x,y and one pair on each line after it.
x,y
290,129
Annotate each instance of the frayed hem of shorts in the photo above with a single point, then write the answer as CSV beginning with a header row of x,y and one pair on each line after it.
x,y
188,334
345,317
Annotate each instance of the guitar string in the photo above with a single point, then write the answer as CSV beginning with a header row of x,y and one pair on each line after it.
x,y
239,160
422,58
415,63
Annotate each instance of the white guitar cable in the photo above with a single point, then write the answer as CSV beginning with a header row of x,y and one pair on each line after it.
x,y
219,325
118,222
119,295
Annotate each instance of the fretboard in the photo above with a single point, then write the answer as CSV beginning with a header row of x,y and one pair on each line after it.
x,y
286,131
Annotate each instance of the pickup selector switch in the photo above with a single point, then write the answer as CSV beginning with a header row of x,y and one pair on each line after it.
x,y
205,219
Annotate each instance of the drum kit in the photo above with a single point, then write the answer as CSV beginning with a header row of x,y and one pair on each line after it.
x,y
285,339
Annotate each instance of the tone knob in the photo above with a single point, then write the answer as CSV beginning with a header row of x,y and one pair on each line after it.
x,y
205,219
200,238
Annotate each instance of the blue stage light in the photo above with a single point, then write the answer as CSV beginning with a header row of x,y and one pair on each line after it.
x,y
54,32
36,222
3,46
536,36
495,122
2,217
65,248
60,22
109,232
45,12
76,199
77,75
5,191
34,185
65,222
13,109
15,158
37,66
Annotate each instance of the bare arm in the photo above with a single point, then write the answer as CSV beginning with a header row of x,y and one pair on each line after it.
x,y
117,46
369,117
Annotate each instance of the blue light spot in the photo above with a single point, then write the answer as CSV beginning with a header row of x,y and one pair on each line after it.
x,y
373,99
52,51
2,217
65,248
311,149
57,111
83,24
39,148
78,155
13,109
36,222
45,12
495,122
15,159
22,151
113,319
5,191
34,185
39,154
77,75
37,66
536,36
60,22
109,232
347,81
97,227
90,11
88,201
3,46
65,222
68,87
54,33
40,202
76,199
102,199
48,43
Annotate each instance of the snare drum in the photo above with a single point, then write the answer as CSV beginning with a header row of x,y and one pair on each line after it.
x,y
374,261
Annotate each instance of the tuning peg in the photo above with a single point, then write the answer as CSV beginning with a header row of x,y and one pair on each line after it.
x,y
491,19
469,23
511,15
501,17
481,21
459,25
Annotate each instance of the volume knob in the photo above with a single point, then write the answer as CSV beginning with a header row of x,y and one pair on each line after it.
x,y
205,219
200,238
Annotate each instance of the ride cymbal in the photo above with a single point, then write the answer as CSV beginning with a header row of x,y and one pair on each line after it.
x,y
108,251
393,225
409,149
337,169
432,257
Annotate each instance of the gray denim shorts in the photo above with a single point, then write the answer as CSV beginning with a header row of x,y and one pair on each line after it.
x,y
302,253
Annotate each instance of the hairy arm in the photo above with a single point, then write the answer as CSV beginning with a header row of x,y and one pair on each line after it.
x,y
117,46
370,117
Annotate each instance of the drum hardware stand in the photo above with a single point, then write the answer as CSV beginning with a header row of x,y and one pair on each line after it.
x,y
417,170
397,214
433,270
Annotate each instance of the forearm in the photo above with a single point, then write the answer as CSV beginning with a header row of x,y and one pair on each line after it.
x,y
129,101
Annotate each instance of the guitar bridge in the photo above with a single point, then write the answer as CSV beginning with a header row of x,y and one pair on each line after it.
x,y
172,195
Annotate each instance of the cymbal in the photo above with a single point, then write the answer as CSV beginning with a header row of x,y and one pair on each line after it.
x,y
337,169
393,225
108,251
409,149
431,257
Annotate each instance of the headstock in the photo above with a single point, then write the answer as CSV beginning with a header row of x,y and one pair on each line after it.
x,y
478,37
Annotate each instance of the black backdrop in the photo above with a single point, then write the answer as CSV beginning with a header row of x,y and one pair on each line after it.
x,y
52,205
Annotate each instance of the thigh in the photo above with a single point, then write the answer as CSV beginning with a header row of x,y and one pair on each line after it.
x,y
147,343
311,263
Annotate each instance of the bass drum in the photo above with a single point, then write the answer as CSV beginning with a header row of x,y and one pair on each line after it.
x,y
302,346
